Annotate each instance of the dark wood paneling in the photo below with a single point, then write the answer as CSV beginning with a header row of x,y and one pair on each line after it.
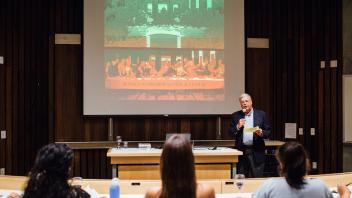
x,y
262,95
41,83
303,33
24,45
91,163
2,87
2,114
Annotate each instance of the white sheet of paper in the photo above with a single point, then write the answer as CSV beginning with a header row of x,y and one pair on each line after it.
x,y
291,130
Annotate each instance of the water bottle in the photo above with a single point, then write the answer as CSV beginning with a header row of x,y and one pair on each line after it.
x,y
114,188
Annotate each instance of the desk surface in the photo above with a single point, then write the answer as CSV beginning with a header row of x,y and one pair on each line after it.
x,y
200,151
139,186
274,143
5,193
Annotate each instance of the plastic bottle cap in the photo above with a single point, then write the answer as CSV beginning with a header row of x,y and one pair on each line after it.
x,y
115,181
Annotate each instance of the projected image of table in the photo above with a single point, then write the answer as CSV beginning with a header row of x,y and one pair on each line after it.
x,y
134,163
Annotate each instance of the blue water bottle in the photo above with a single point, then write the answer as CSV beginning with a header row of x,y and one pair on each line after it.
x,y
114,188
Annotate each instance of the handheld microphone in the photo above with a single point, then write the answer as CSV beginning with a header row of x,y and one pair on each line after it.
x,y
244,113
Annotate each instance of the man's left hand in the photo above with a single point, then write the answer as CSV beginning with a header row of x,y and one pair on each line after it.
x,y
259,131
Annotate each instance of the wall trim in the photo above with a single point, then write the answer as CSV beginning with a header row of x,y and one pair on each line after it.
x,y
257,43
68,39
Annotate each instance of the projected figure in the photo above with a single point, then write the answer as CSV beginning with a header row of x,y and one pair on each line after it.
x,y
111,69
212,67
152,66
179,68
143,70
165,69
190,67
146,69
250,127
108,68
221,69
202,68
126,68
121,67
216,69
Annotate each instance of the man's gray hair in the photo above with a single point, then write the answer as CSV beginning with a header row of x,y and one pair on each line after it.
x,y
244,95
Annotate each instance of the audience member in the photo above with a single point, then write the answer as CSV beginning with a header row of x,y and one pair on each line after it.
x,y
293,166
49,175
178,173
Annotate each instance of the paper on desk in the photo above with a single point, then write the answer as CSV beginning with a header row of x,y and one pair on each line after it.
x,y
334,192
250,130
6,193
91,191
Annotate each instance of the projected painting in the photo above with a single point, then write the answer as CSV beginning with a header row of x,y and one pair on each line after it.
x,y
164,49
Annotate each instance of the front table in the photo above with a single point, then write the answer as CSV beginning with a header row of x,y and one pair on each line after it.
x,y
134,163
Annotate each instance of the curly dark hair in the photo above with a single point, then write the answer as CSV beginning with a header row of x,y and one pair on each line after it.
x,y
48,177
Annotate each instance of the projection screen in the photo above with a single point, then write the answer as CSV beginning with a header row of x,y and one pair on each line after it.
x,y
163,57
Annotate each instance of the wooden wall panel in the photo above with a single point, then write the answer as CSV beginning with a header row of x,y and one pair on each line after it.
x,y
24,46
2,87
91,163
302,35
41,83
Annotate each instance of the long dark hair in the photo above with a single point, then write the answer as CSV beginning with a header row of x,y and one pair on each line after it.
x,y
293,159
49,175
177,169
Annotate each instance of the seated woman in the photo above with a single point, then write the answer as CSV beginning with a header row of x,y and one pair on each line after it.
x,y
178,173
293,165
49,175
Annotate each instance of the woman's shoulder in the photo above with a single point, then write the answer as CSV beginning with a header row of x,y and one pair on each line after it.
x,y
317,187
274,180
153,192
205,191
315,182
272,183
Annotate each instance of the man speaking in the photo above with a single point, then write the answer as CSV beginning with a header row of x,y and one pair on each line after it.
x,y
250,127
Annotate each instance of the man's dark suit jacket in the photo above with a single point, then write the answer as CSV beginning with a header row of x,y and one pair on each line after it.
x,y
259,119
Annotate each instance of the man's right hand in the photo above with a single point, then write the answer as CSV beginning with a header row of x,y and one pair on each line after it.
x,y
240,123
